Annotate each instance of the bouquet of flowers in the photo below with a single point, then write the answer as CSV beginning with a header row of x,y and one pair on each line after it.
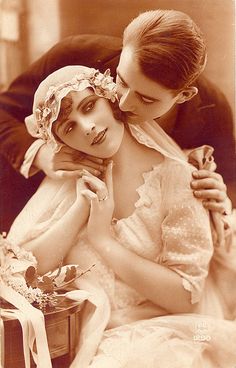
x,y
18,269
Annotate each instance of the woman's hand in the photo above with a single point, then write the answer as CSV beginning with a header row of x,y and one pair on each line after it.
x,y
209,186
66,163
100,197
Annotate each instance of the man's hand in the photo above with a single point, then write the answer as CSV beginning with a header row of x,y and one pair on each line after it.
x,y
209,186
66,163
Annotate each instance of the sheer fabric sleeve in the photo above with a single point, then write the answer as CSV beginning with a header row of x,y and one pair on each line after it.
x,y
186,233
49,204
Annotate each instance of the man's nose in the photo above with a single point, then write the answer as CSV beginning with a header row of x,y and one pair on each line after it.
x,y
126,102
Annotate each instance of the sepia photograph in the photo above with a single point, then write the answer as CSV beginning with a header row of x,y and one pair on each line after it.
x,y
117,184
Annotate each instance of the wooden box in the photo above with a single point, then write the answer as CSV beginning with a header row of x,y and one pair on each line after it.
x,y
62,328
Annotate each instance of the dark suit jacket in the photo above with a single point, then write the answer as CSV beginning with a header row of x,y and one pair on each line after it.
x,y
206,119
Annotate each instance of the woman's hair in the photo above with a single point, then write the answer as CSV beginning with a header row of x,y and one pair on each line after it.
x,y
169,47
65,108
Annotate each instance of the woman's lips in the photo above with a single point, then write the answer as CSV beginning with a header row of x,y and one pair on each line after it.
x,y
100,137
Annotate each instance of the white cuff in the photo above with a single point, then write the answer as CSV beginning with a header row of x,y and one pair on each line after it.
x,y
27,169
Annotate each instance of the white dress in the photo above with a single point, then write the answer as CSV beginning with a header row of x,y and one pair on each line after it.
x,y
168,226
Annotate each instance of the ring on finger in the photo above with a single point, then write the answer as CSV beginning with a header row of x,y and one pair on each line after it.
x,y
103,199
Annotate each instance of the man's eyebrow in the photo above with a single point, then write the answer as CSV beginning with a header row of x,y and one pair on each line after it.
x,y
137,93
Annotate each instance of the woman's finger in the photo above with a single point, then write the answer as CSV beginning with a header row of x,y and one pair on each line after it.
x,y
61,174
109,179
88,194
96,185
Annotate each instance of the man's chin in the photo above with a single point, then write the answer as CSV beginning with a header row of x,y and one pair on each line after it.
x,y
134,119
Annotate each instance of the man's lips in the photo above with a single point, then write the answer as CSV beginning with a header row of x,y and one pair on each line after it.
x,y
131,115
99,137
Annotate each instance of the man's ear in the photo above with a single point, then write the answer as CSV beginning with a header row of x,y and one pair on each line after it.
x,y
187,94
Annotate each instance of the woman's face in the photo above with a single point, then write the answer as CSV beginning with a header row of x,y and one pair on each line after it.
x,y
90,126
139,96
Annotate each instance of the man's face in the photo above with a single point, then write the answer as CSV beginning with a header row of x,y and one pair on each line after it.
x,y
139,96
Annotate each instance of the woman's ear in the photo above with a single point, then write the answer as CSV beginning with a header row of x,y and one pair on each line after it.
x,y
186,94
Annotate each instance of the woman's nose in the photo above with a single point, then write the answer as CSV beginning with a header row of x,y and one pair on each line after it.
x,y
90,128
87,127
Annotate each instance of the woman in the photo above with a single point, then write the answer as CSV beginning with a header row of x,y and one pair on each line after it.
x,y
149,238
193,123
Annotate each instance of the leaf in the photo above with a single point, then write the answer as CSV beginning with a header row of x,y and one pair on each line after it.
x,y
46,284
71,274
31,276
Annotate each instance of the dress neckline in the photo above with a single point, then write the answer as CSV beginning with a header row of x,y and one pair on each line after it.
x,y
141,190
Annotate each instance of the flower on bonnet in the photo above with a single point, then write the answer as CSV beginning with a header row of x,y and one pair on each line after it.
x,y
47,111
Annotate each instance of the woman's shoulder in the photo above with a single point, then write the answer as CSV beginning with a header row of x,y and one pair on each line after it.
x,y
177,168
175,179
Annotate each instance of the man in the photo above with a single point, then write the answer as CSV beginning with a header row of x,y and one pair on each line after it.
x,y
204,119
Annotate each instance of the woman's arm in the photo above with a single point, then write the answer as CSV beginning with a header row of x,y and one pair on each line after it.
x,y
162,283
157,283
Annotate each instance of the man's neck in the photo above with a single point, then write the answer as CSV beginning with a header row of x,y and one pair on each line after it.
x,y
167,121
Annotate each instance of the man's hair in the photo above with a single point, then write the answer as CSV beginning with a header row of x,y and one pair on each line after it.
x,y
168,46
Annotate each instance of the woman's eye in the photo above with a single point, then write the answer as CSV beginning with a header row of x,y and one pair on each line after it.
x,y
69,128
89,106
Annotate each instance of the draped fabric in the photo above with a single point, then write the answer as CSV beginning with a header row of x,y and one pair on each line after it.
x,y
120,328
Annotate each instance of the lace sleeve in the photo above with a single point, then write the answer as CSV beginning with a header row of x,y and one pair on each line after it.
x,y
186,234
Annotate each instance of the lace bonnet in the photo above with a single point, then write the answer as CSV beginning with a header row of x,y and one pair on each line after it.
x,y
48,96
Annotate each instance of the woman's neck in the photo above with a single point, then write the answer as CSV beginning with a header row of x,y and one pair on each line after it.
x,y
133,154
128,152
130,162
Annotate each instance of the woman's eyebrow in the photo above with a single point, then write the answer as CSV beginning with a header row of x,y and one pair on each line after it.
x,y
83,101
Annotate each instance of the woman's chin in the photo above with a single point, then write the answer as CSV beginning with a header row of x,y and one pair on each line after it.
x,y
109,152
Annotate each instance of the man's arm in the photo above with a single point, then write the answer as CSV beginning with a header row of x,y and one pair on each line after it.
x,y
207,119
96,51
219,133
